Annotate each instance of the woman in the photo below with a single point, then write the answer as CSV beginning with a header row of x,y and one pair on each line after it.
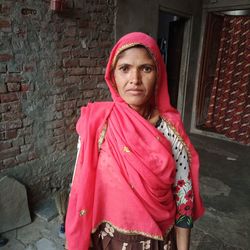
x,y
135,184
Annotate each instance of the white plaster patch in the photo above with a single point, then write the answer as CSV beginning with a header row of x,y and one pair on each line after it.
x,y
83,43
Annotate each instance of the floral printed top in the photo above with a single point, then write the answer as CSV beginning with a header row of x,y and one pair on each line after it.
x,y
183,191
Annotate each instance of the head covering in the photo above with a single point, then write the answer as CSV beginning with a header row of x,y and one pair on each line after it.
x,y
128,41
140,158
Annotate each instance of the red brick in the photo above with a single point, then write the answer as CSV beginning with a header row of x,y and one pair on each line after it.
x,y
55,124
61,146
29,67
87,62
80,52
95,71
8,153
13,107
9,125
13,86
3,88
25,87
70,63
70,104
14,78
10,116
58,131
5,57
83,24
69,42
5,145
5,23
77,71
68,112
11,162
25,131
10,134
70,32
88,93
72,79
8,97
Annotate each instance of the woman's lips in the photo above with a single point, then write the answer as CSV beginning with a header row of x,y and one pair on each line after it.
x,y
134,91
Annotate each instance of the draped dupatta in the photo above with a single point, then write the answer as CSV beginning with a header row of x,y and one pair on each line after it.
x,y
140,153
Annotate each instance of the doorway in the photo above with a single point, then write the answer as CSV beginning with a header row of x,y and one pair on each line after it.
x,y
171,29
223,103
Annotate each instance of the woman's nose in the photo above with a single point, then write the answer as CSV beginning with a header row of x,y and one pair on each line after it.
x,y
135,77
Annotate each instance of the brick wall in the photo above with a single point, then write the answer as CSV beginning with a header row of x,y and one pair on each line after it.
x,y
50,65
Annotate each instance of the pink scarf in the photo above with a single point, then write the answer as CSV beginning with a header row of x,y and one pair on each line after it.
x,y
141,158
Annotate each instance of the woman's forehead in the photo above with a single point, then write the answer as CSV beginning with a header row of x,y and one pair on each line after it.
x,y
135,53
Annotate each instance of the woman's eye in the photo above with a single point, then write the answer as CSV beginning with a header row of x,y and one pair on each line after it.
x,y
124,68
147,69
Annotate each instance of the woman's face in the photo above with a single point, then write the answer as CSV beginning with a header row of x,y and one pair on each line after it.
x,y
135,77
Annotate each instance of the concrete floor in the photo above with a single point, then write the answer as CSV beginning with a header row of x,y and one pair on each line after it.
x,y
225,187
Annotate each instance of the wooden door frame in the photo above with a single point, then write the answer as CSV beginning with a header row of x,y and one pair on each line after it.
x,y
185,56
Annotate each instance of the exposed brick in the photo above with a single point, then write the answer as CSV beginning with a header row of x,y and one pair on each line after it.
x,y
3,88
58,131
55,124
13,107
9,116
80,52
10,134
25,131
13,86
5,57
8,153
5,23
95,71
73,79
3,68
25,87
29,67
5,8
11,162
70,104
5,145
77,71
57,73
9,125
70,32
8,97
87,62
88,93
60,146
68,112
14,78
69,42
70,63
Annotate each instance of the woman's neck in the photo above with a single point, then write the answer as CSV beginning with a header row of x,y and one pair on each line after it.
x,y
144,111
150,114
